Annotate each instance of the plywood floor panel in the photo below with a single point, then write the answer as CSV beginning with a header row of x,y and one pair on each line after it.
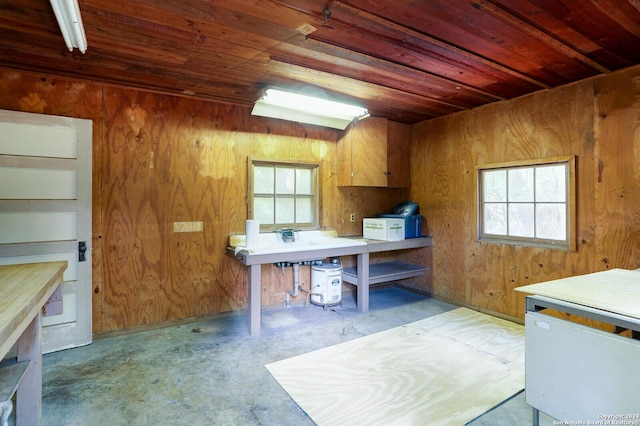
x,y
442,370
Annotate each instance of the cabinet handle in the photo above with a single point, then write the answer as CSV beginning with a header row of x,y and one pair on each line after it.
x,y
387,173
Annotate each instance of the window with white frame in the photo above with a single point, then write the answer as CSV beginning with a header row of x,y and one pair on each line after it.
x,y
284,194
528,202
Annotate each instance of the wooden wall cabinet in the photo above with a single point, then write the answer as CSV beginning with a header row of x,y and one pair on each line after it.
x,y
374,152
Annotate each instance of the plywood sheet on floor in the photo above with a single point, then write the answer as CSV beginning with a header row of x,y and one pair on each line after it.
x,y
443,370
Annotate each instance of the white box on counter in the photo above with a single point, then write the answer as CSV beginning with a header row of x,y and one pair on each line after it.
x,y
383,229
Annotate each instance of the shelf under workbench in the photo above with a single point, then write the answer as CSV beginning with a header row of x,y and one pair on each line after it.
x,y
384,272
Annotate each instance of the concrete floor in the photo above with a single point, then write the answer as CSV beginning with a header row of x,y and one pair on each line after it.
x,y
212,372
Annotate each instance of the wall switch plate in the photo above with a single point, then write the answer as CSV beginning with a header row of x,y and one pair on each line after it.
x,y
352,217
188,226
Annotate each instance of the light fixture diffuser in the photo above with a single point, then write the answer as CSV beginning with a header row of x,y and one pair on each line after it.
x,y
70,21
291,106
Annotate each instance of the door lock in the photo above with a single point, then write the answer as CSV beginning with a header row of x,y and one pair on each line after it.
x,y
82,249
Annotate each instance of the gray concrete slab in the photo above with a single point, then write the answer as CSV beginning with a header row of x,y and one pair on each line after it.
x,y
212,372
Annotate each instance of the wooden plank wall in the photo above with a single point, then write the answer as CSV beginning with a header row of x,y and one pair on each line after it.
x,y
160,159
598,120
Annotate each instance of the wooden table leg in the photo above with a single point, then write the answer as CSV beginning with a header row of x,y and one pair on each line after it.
x,y
362,298
29,393
255,288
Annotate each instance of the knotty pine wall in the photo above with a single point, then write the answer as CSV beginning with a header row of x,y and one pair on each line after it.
x,y
597,120
161,159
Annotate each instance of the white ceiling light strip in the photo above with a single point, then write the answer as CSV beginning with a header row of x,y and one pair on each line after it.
x,y
306,109
70,21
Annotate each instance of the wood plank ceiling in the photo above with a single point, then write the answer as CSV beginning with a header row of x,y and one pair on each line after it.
x,y
405,60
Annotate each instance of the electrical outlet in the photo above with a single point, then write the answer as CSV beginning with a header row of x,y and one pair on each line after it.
x,y
352,217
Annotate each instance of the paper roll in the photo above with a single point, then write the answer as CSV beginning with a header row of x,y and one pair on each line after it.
x,y
252,233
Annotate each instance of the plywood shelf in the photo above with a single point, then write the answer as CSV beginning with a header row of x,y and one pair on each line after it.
x,y
385,272
11,374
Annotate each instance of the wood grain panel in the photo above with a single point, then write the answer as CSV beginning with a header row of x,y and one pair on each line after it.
x,y
617,169
161,159
369,152
398,152
564,121
170,160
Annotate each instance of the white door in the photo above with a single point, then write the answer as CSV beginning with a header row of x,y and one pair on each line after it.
x,y
45,211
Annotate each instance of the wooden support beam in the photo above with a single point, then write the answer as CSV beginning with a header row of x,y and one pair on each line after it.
x,y
521,25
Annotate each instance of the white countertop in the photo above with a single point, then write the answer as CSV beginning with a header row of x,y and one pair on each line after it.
x,y
271,243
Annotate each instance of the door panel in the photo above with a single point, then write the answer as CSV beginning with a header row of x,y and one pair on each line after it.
x,y
39,184
45,211
21,227
21,137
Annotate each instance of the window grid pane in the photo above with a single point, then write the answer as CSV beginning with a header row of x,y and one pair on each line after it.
x,y
535,206
284,194
263,209
304,210
285,180
304,181
263,179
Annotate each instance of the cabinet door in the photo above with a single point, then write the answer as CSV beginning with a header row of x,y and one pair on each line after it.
x,y
345,159
369,152
398,164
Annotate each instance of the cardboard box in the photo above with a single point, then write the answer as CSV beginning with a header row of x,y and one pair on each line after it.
x,y
412,224
383,229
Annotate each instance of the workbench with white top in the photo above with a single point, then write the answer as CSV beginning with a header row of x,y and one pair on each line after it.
x,y
581,374
320,248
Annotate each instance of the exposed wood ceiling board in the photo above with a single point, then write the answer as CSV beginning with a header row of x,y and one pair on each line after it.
x,y
541,18
410,42
468,27
449,71
436,85
119,48
531,30
182,15
599,22
133,36
29,17
230,23
454,70
450,24
406,82
504,87
412,37
273,11
368,93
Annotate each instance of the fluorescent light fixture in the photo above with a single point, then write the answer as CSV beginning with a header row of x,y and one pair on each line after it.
x,y
306,109
68,15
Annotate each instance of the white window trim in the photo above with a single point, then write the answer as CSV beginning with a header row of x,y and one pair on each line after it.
x,y
570,244
316,197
